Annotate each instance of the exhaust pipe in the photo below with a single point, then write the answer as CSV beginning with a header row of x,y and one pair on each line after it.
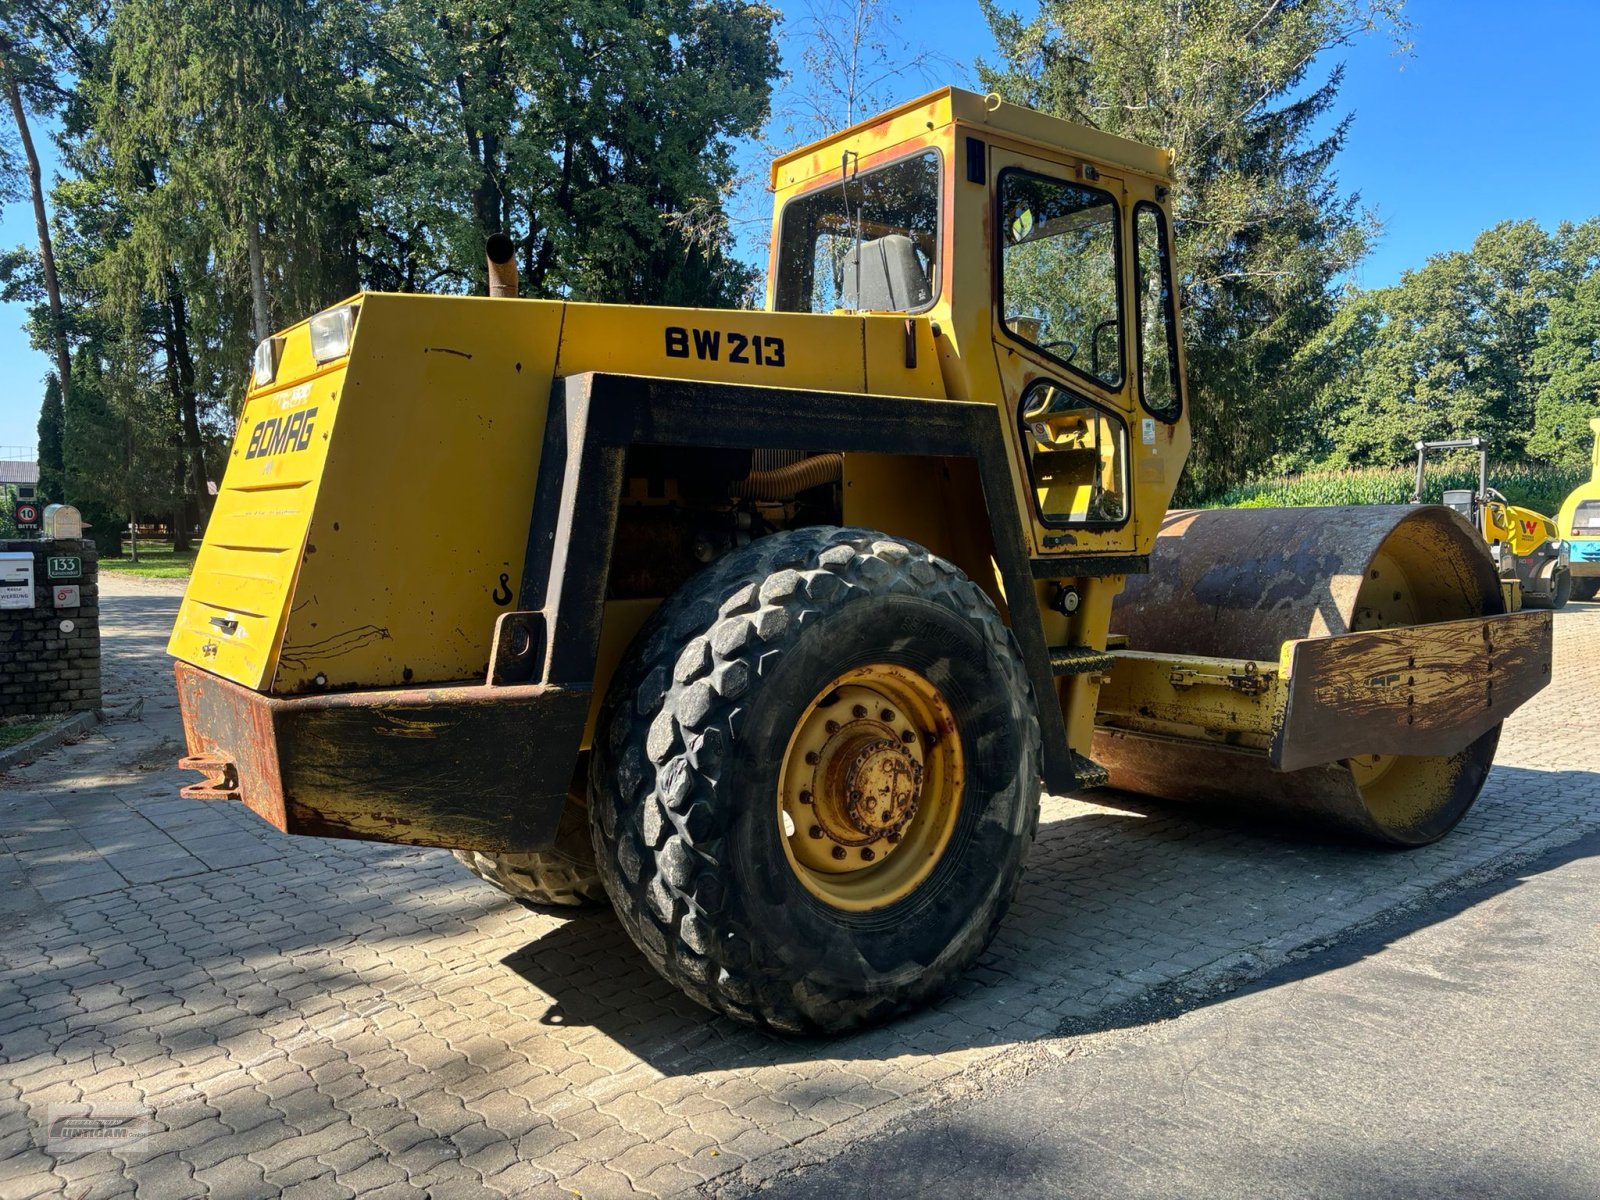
x,y
502,254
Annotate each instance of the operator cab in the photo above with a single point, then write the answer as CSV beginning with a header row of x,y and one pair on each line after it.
x,y
1039,253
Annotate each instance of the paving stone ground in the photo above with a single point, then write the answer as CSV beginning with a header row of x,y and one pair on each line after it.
x,y
309,1018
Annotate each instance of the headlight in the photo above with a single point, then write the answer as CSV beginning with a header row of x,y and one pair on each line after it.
x,y
330,333
266,360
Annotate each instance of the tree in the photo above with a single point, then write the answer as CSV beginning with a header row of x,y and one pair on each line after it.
x,y
1567,352
1263,231
598,135
52,429
38,45
1460,347
854,62
118,444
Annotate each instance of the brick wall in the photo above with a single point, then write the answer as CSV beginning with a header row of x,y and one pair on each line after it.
x,y
43,668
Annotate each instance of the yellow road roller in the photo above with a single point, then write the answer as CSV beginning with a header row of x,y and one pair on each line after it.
x,y
1579,523
767,627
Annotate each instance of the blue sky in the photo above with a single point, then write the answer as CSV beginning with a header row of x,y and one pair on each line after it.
x,y
1495,116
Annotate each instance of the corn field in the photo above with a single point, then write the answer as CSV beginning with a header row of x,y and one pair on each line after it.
x,y
1541,488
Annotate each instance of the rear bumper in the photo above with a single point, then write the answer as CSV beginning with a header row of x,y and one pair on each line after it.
x,y
475,767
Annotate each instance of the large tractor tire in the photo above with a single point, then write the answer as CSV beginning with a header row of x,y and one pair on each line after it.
x,y
1586,588
564,876
815,779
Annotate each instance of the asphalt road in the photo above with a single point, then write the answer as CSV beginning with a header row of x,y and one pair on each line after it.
x,y
1452,1054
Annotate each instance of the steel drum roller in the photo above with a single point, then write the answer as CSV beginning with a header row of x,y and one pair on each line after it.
x,y
1238,583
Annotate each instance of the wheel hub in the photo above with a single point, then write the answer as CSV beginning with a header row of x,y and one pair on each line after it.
x,y
860,773
882,785
868,757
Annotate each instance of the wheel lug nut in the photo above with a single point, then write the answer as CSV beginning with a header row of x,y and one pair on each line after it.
x,y
838,851
887,714
907,736
892,836
813,758
859,711
867,855
805,797
855,793
815,831
832,727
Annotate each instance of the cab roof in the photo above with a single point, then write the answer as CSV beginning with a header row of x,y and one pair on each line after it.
x,y
940,109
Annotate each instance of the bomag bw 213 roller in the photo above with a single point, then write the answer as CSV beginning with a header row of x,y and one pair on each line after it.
x,y
768,625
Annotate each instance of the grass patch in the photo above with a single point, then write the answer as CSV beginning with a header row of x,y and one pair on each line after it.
x,y
157,560
16,730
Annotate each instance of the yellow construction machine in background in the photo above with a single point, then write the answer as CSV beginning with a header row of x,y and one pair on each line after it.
x,y
1579,525
766,626
1529,552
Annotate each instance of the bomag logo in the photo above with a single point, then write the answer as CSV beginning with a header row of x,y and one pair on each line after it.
x,y
281,435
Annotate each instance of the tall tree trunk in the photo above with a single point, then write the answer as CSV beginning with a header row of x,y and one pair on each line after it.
x,y
258,280
180,507
181,378
47,257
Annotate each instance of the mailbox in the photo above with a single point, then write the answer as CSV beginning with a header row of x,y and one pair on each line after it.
x,y
62,522
16,579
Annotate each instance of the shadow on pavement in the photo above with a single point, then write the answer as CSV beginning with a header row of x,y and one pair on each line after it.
x,y
1131,912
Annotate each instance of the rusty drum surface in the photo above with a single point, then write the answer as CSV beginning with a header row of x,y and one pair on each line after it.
x,y
1238,583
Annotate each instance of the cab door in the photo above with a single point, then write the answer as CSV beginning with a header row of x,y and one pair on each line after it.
x,y
1061,336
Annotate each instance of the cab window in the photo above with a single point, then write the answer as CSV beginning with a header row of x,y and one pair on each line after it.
x,y
867,242
1058,272
1159,380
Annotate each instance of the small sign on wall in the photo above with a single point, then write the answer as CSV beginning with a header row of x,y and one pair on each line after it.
x,y
67,595
16,579
64,566
27,516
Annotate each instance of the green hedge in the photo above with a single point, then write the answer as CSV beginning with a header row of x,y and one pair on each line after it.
x,y
1537,487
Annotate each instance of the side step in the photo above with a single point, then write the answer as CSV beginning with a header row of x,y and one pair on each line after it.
x,y
1079,660
1088,773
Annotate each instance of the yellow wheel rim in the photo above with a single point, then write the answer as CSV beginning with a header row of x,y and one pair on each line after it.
x,y
870,787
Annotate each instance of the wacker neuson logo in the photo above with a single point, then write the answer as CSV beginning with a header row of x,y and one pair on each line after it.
x,y
84,1129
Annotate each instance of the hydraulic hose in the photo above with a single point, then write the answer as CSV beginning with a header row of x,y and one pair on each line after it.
x,y
779,483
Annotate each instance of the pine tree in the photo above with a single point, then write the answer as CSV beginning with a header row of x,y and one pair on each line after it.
x,y
52,428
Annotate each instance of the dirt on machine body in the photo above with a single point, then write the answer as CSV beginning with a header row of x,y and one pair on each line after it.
x,y
768,627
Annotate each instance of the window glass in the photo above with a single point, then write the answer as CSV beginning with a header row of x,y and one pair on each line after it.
x,y
1158,323
1586,519
1058,272
869,241
1078,455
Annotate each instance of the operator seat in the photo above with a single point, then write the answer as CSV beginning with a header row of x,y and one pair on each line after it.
x,y
890,277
